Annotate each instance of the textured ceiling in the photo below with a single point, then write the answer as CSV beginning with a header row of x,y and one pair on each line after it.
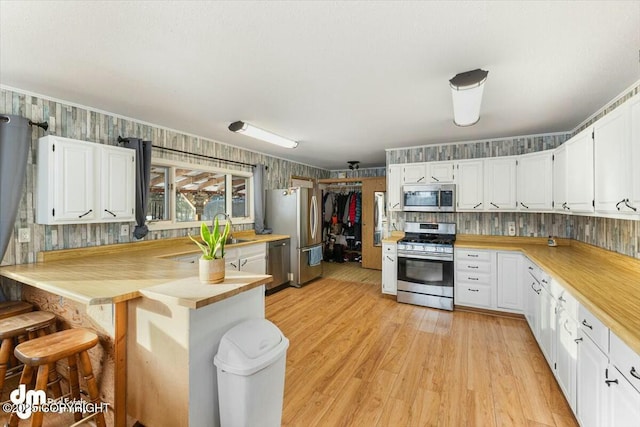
x,y
346,79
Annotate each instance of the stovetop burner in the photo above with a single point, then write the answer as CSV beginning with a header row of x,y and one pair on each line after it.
x,y
430,239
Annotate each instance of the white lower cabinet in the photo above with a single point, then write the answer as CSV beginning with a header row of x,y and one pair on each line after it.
x,y
389,268
566,356
591,387
474,281
548,322
509,281
251,258
624,400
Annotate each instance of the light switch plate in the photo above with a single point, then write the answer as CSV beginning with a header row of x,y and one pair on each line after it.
x,y
24,235
124,230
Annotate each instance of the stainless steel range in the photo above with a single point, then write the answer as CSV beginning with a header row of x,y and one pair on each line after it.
x,y
425,265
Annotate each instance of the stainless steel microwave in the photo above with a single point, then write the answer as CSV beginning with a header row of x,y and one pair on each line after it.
x,y
429,198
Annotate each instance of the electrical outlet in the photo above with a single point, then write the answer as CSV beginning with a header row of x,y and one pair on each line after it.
x,y
124,230
511,226
24,235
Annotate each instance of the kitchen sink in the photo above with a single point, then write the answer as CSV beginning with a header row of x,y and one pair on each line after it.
x,y
234,241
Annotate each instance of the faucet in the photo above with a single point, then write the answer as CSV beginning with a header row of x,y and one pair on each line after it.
x,y
228,218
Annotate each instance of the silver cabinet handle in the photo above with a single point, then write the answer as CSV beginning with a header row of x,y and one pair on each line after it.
x,y
584,322
634,373
567,328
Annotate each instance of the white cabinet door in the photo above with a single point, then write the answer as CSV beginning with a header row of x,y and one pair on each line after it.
x,y
394,187
389,269
547,326
117,184
414,173
566,356
560,201
624,400
634,108
500,183
591,396
535,181
440,172
470,185
66,184
612,161
510,281
253,264
580,172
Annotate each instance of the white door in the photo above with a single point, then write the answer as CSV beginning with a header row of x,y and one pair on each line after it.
x,y
500,183
566,355
440,172
547,326
624,400
510,281
591,398
470,185
394,187
118,184
580,172
75,190
560,202
634,107
414,173
612,161
253,264
389,269
535,182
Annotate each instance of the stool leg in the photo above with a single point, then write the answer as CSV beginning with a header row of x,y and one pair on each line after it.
x,y
41,384
94,395
74,386
5,352
25,378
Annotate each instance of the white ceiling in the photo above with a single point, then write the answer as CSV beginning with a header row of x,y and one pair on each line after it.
x,y
346,79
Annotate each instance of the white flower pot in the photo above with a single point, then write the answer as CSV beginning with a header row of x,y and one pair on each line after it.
x,y
211,270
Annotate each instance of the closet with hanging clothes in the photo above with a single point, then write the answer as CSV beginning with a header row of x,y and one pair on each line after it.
x,y
353,217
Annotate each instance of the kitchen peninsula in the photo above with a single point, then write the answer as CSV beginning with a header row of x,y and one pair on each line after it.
x,y
164,325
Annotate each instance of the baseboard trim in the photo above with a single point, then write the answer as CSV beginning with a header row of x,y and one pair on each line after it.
x,y
489,312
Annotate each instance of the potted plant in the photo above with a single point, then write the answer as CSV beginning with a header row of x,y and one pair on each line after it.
x,y
211,264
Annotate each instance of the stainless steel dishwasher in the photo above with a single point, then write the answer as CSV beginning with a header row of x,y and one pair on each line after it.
x,y
278,264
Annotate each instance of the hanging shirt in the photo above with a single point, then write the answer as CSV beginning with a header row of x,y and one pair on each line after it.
x,y
352,208
358,208
328,207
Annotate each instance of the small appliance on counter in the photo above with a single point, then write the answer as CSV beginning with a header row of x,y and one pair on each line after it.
x,y
552,241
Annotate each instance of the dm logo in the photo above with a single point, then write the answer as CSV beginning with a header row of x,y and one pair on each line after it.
x,y
25,401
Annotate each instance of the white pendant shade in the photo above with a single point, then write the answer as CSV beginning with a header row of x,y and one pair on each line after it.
x,y
261,134
466,91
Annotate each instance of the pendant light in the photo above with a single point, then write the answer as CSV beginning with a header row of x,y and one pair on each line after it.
x,y
261,134
466,90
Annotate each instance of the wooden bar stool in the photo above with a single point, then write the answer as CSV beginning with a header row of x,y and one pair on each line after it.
x,y
44,351
32,325
11,308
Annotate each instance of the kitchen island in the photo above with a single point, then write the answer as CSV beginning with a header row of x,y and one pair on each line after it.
x,y
141,279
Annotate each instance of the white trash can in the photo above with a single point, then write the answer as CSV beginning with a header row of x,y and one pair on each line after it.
x,y
251,364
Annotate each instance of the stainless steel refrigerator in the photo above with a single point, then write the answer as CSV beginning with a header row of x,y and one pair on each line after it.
x,y
297,212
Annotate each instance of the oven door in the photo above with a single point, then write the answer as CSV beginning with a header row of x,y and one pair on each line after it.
x,y
428,276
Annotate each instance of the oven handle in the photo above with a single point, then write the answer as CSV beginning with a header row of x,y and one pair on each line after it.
x,y
443,257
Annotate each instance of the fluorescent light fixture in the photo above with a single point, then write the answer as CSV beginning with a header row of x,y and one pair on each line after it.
x,y
255,132
466,90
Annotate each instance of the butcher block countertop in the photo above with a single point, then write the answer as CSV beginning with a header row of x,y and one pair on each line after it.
x,y
605,282
115,273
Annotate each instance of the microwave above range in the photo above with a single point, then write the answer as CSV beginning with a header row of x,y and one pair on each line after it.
x,y
429,198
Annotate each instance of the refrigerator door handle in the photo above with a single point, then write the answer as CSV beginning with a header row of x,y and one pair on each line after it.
x,y
313,216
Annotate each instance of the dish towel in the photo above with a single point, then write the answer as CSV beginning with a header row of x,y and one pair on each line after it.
x,y
315,256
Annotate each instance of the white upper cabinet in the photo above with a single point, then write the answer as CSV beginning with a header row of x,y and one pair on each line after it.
x,y
580,172
535,181
440,172
83,182
394,187
500,183
118,173
470,185
414,173
634,112
612,165
560,202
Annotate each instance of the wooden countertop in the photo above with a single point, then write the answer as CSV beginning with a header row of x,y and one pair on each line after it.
x,y
116,273
605,282
394,237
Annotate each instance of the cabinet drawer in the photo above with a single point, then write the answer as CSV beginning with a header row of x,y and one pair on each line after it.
x,y
626,360
594,328
474,295
473,266
474,278
463,254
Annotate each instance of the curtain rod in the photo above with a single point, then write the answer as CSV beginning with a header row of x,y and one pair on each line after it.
x,y
219,159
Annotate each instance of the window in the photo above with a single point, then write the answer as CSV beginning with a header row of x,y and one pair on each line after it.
x,y
183,195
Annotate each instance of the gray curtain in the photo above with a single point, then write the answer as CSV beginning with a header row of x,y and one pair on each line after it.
x,y
15,139
143,177
258,198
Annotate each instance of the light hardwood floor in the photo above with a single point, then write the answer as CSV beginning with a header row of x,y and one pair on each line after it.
x,y
358,358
